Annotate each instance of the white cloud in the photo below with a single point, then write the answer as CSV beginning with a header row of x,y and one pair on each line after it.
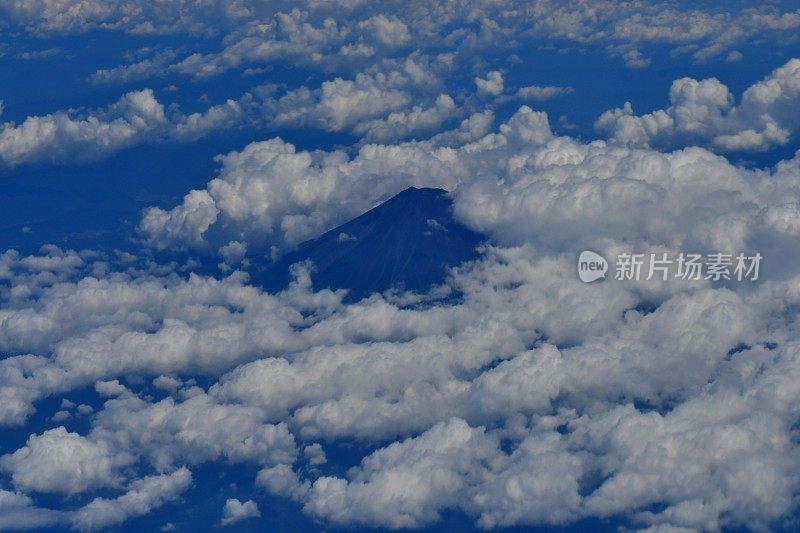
x,y
184,224
62,136
352,35
38,54
167,383
194,431
295,35
402,124
734,56
440,463
236,511
393,100
281,480
538,93
60,416
271,194
492,84
700,438
53,17
704,112
390,31
17,512
554,190
283,196
110,388
632,57
314,454
233,252
338,104
74,136
143,69
218,117
142,496
470,129
63,462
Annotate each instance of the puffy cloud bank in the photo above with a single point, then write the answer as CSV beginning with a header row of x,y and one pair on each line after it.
x,y
321,34
513,393
395,70
521,183
703,112
81,135
526,398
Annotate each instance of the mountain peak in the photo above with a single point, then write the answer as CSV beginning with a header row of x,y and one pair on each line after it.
x,y
407,242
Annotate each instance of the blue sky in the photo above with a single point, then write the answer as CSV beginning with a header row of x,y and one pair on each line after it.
x,y
156,158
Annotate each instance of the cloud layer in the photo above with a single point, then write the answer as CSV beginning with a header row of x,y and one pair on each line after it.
x,y
665,402
703,112
83,136
513,393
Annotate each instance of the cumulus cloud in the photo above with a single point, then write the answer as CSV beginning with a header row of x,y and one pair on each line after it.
x,y
218,117
260,189
64,136
338,103
394,100
539,93
441,461
183,224
402,124
282,481
471,129
703,112
314,454
142,496
38,54
110,388
167,383
352,35
193,431
631,56
264,194
293,34
492,84
233,253
388,30
59,461
79,136
17,512
236,511
364,49
48,17
142,69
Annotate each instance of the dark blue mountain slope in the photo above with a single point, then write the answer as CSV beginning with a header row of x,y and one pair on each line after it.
x,y
407,242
